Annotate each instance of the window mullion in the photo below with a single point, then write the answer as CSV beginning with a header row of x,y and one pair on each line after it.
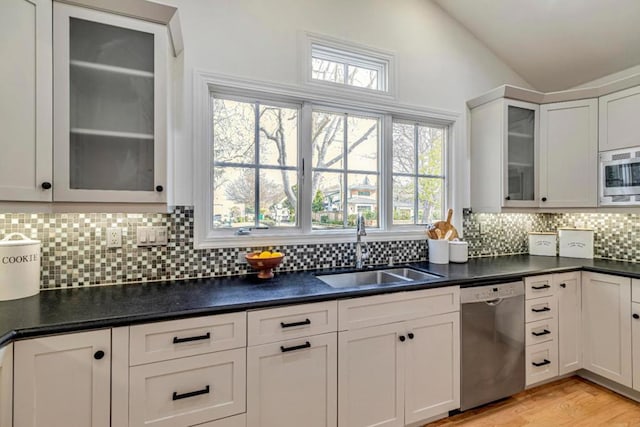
x,y
256,139
386,178
345,206
305,161
416,192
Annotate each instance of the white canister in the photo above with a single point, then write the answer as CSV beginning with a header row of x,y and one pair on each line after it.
x,y
458,251
19,267
542,244
439,251
576,242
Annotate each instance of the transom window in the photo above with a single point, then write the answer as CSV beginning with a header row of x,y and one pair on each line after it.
x,y
350,68
418,173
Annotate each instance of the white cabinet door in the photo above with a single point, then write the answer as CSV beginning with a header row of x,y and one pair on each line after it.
x,y
433,366
569,154
569,291
635,339
293,383
110,107
6,385
25,100
618,119
371,377
63,380
606,323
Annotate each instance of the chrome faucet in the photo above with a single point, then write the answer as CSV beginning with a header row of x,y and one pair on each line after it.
x,y
360,231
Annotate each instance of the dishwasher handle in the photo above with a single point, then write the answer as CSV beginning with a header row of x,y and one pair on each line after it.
x,y
493,302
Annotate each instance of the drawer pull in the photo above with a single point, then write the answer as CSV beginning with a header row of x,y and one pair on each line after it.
x,y
540,310
291,325
177,396
539,334
537,288
295,347
545,362
563,285
206,336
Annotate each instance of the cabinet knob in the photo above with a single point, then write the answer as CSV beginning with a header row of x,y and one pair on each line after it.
x,y
159,188
410,335
636,316
98,355
46,185
563,285
544,199
402,338
508,198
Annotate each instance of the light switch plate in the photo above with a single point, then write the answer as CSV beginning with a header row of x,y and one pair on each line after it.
x,y
152,236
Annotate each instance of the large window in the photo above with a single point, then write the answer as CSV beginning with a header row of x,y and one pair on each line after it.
x,y
345,179
418,173
255,164
281,167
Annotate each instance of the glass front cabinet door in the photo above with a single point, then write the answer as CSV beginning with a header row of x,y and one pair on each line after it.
x,y
520,154
109,107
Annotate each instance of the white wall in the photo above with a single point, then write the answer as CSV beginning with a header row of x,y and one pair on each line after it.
x,y
439,63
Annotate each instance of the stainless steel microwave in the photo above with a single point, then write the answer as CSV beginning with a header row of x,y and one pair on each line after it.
x,y
620,177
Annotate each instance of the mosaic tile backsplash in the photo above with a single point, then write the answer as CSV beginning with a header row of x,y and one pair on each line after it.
x,y
74,252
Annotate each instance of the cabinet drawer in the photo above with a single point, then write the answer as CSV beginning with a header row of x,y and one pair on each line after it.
x,y
279,324
155,342
382,309
235,421
539,308
541,362
538,286
541,331
188,391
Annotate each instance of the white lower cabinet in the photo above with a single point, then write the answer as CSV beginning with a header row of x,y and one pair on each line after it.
x,y
606,322
63,380
188,391
399,373
292,366
635,341
293,383
6,385
569,293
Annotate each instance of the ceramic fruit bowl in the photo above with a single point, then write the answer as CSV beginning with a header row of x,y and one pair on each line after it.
x,y
264,262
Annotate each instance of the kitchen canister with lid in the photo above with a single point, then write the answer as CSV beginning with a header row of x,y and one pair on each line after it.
x,y
458,251
19,267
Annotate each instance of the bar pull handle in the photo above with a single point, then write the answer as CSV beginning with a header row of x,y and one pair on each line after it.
x,y
295,347
539,334
537,288
545,362
177,396
206,336
292,324
540,310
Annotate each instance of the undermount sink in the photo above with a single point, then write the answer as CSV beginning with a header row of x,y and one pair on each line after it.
x,y
377,277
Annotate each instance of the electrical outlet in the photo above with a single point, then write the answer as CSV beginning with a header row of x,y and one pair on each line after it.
x,y
241,259
114,237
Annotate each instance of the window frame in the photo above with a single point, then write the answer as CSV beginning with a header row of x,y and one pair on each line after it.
x,y
206,83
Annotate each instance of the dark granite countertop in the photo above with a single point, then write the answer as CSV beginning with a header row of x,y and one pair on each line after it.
x,y
74,309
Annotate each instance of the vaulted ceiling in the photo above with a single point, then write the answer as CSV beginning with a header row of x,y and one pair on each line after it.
x,y
555,44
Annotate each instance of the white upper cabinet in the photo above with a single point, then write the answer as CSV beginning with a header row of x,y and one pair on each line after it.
x,y
110,107
619,114
25,100
504,155
569,154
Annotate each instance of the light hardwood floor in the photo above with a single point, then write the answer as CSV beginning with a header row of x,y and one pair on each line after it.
x,y
569,402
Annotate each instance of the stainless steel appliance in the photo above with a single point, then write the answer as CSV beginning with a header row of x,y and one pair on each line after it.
x,y
620,177
492,350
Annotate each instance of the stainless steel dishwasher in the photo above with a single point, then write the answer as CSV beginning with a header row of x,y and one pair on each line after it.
x,y
492,350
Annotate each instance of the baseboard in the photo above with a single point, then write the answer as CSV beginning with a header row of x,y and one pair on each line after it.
x,y
611,385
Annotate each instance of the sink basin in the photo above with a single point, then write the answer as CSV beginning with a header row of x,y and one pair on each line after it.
x,y
377,277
